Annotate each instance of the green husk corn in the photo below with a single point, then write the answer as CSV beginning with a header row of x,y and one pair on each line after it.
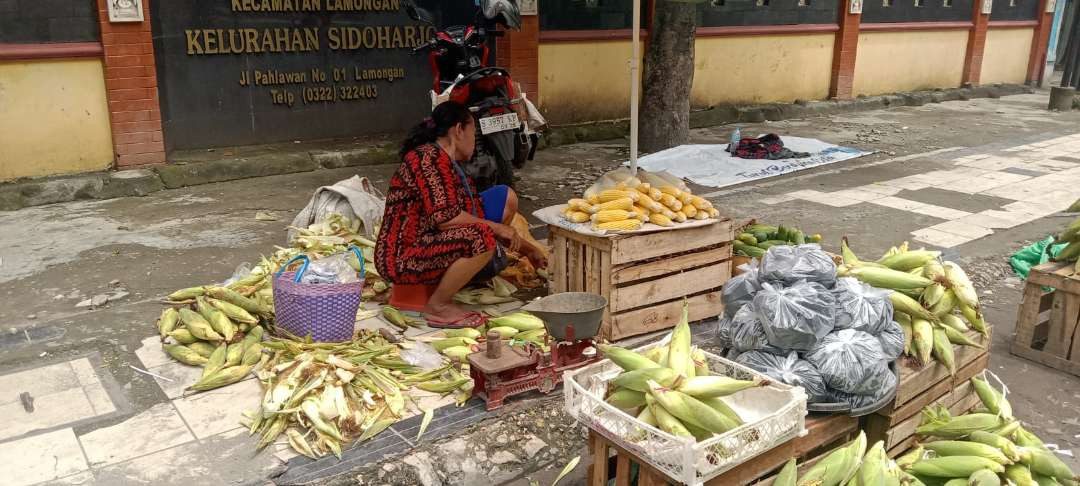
x,y
974,318
955,322
1044,480
667,422
984,477
183,336
442,344
718,404
167,322
222,324
1020,475
224,376
872,470
505,332
216,361
232,297
945,305
626,359
646,416
198,326
910,307
993,400
701,362
967,448
958,337
787,474
922,341
933,294
1003,444
457,353
909,260
956,482
717,386
234,354
467,332
636,380
954,466
184,354
522,321
679,347
395,317
911,457
1022,437
1007,429
691,410
252,355
943,350
961,426
626,399
889,279
252,337
1044,462
234,312
204,348
187,294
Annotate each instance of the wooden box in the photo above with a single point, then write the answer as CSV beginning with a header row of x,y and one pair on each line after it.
x,y
823,433
645,276
1047,321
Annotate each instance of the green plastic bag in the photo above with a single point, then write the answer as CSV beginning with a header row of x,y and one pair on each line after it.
x,y
1033,255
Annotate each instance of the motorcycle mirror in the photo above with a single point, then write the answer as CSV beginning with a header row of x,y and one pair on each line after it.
x,y
419,14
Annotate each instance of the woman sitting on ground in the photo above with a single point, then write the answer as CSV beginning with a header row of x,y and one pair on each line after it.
x,y
436,229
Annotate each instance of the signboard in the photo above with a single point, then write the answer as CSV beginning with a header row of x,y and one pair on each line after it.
x,y
125,10
241,72
527,7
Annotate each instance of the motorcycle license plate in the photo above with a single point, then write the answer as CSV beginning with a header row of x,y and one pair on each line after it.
x,y
499,123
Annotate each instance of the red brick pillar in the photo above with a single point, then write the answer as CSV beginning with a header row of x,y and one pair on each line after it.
x,y
1037,62
519,52
131,89
845,48
975,46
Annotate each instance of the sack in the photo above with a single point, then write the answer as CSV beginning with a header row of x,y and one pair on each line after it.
x,y
789,370
795,317
354,198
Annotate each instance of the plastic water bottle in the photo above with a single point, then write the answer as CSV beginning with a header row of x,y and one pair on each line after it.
x,y
736,135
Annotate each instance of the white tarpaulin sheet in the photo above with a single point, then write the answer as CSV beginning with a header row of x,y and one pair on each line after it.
x,y
713,166
553,215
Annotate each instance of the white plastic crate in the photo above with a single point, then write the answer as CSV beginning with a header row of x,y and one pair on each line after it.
x,y
773,415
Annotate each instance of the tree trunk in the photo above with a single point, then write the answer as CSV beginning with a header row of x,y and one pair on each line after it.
x,y
668,76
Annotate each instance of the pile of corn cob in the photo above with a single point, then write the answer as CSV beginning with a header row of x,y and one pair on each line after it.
x,y
934,301
324,396
671,387
1071,235
633,201
520,328
986,447
755,239
220,331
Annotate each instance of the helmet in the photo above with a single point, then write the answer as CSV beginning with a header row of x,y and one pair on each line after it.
x,y
507,9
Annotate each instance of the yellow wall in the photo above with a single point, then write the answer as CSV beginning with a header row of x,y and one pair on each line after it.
x,y
582,81
761,69
1005,59
54,118
891,62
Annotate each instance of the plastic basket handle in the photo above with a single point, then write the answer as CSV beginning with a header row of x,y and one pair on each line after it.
x,y
299,273
360,258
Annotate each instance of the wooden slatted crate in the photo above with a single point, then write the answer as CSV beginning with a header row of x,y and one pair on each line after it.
x,y
645,276
823,433
1047,321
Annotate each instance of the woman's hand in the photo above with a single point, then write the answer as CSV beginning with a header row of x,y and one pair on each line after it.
x,y
508,235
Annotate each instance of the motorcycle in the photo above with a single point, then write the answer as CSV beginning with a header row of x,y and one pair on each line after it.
x,y
458,56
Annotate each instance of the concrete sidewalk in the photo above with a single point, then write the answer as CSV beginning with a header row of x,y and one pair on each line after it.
x,y
978,178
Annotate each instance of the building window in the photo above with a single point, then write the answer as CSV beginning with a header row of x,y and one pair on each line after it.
x,y
763,3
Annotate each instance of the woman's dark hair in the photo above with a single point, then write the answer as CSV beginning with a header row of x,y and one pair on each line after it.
x,y
443,117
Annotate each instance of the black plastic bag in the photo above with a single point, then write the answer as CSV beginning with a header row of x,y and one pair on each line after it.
x,y
740,290
862,307
795,317
789,264
887,386
892,341
789,370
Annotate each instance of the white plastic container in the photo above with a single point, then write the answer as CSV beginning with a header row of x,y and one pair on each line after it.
x,y
773,414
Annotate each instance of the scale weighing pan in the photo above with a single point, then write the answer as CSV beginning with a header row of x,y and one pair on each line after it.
x,y
569,316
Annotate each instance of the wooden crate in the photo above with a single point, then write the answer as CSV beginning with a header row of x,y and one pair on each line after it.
x,y
919,385
899,434
1046,323
824,432
645,276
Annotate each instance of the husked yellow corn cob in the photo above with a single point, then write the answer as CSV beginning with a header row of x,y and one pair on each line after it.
x,y
577,217
613,194
581,205
660,220
610,215
685,198
669,213
689,210
644,187
642,213
647,202
700,202
670,201
654,193
624,203
624,225
680,216
593,199
632,182
701,215
621,186
672,190
714,213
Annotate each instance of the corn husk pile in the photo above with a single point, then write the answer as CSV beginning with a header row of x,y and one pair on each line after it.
x,y
1071,235
520,329
986,447
934,301
324,396
623,202
755,239
671,388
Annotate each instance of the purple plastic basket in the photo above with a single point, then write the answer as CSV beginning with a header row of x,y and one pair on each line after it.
x,y
326,312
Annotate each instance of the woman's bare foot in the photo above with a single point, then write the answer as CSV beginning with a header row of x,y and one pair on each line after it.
x,y
450,315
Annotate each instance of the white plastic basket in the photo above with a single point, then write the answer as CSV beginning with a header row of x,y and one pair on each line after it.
x,y
773,414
